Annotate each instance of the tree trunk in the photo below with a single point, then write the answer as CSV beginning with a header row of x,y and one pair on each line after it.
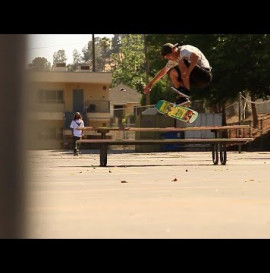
x,y
254,112
223,111
146,70
93,52
224,121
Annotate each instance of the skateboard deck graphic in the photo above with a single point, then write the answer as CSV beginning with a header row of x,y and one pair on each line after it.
x,y
178,112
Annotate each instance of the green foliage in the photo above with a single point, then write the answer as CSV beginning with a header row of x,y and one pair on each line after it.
x,y
116,44
241,62
130,63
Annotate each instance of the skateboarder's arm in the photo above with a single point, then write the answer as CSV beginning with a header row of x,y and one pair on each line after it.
x,y
159,75
185,71
193,61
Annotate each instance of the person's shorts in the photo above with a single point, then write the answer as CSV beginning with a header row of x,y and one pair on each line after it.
x,y
199,77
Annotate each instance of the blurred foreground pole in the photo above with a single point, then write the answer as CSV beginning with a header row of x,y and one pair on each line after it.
x,y
12,136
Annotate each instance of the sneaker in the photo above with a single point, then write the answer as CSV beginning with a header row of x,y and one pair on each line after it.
x,y
182,91
182,101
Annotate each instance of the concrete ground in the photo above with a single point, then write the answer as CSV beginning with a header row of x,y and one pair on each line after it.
x,y
148,195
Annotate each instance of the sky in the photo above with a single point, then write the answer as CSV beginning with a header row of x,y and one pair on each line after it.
x,y
44,45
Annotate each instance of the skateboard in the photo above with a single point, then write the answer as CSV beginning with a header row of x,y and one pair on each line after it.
x,y
178,112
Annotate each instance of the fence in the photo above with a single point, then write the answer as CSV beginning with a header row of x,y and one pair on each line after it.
x,y
242,108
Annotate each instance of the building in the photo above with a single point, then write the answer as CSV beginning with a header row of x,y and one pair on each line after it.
x,y
54,97
124,101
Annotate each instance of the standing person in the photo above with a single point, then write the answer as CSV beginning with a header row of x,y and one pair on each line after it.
x,y
76,134
187,66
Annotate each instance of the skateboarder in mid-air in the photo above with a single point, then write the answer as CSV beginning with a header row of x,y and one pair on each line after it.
x,y
187,66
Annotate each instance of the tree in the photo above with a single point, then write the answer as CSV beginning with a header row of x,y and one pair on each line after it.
x,y
129,62
256,79
116,43
40,64
77,58
102,46
241,63
87,53
105,44
59,56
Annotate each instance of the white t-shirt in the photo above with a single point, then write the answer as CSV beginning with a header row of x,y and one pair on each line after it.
x,y
185,52
77,123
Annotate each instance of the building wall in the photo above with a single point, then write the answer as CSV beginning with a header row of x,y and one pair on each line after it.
x,y
130,108
50,120
91,92
72,77
127,110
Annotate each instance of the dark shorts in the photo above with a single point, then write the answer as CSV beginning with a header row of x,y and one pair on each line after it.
x,y
199,77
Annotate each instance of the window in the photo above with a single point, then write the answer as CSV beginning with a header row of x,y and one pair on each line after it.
x,y
60,64
85,67
50,96
91,108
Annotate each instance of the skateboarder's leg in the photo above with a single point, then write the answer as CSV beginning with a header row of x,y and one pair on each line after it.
x,y
175,78
178,87
183,101
200,77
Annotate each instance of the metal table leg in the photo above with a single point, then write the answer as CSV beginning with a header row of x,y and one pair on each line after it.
x,y
103,155
215,149
223,154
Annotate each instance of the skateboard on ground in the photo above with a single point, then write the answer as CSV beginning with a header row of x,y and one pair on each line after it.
x,y
176,111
